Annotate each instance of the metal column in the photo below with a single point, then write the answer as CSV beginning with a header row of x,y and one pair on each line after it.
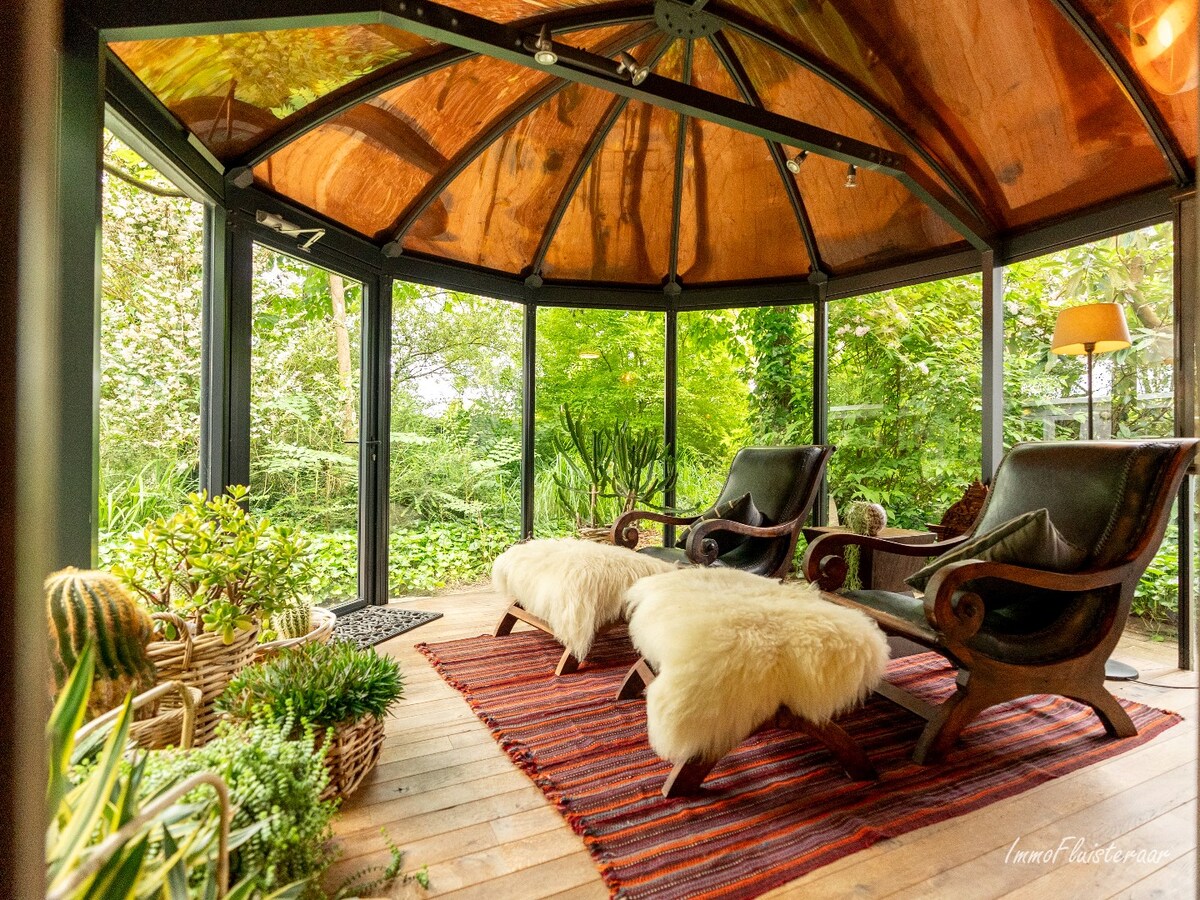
x,y
225,352
670,405
992,386
374,442
1187,335
820,425
81,127
528,386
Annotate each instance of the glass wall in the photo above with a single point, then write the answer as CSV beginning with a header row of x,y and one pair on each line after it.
x,y
456,436
904,394
150,308
606,367
1046,395
304,408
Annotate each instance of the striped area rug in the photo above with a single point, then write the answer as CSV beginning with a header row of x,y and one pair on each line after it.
x,y
775,808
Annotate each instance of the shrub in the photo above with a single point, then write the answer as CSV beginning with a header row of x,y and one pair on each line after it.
x,y
276,784
322,684
215,565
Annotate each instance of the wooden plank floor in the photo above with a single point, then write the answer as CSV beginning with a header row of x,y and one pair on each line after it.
x,y
450,797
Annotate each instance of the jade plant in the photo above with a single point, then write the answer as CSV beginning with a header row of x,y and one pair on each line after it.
x,y
217,566
325,685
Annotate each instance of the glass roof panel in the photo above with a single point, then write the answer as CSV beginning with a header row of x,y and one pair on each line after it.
x,y
618,225
1158,38
514,10
424,123
1013,85
875,223
736,221
495,213
347,175
234,90
786,87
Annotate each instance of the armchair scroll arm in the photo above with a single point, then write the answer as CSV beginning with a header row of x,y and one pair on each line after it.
x,y
824,560
960,620
702,548
625,533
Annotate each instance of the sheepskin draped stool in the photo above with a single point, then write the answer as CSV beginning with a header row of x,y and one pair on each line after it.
x,y
727,653
568,588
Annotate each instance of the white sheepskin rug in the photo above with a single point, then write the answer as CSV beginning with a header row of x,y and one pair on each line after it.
x,y
731,648
577,586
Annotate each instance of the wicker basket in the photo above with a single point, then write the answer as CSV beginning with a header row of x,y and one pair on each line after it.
x,y
353,751
321,631
173,726
203,662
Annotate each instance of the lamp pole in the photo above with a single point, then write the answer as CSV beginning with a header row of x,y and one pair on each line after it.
x,y
1090,349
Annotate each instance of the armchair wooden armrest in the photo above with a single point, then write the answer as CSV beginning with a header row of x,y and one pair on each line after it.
x,y
824,563
702,548
624,530
960,620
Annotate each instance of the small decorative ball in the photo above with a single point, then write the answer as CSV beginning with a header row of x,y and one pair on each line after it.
x,y
866,518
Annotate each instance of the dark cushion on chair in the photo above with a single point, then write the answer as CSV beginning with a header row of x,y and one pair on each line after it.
x,y
741,509
1028,540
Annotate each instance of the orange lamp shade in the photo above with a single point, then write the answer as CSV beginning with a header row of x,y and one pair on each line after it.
x,y
1163,37
1102,324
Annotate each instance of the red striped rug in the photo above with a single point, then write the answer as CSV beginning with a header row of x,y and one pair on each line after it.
x,y
775,808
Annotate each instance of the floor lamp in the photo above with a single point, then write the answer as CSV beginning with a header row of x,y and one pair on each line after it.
x,y
1091,329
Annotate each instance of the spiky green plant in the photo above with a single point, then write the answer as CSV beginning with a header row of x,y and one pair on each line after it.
x,y
324,684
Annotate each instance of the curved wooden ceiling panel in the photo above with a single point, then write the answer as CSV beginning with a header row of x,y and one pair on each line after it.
x,y
1028,110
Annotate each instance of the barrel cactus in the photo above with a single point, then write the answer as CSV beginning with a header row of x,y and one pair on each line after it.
x,y
294,621
86,605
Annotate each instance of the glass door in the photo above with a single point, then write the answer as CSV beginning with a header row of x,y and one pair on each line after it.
x,y
305,405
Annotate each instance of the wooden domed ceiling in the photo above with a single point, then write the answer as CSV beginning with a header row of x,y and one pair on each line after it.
x,y
1015,112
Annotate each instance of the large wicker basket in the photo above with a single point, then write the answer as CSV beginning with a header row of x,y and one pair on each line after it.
x,y
354,749
203,662
321,631
172,725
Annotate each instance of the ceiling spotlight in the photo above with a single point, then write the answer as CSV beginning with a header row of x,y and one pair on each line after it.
x,y
852,176
797,161
627,65
543,49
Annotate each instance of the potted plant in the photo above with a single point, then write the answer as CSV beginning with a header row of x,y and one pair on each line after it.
x,y
212,575
340,691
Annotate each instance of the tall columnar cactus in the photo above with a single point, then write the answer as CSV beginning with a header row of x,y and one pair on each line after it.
x,y
294,621
83,605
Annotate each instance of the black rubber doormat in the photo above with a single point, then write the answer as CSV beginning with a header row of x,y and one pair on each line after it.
x,y
373,625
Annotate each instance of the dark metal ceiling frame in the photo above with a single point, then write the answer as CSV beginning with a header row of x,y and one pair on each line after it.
x,y
455,28
160,128
1131,86
733,65
330,106
672,285
857,93
473,150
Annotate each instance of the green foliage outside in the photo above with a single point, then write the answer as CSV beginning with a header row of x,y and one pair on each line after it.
x,y
904,391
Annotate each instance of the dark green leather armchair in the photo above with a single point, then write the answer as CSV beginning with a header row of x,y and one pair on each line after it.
x,y
782,482
1012,630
